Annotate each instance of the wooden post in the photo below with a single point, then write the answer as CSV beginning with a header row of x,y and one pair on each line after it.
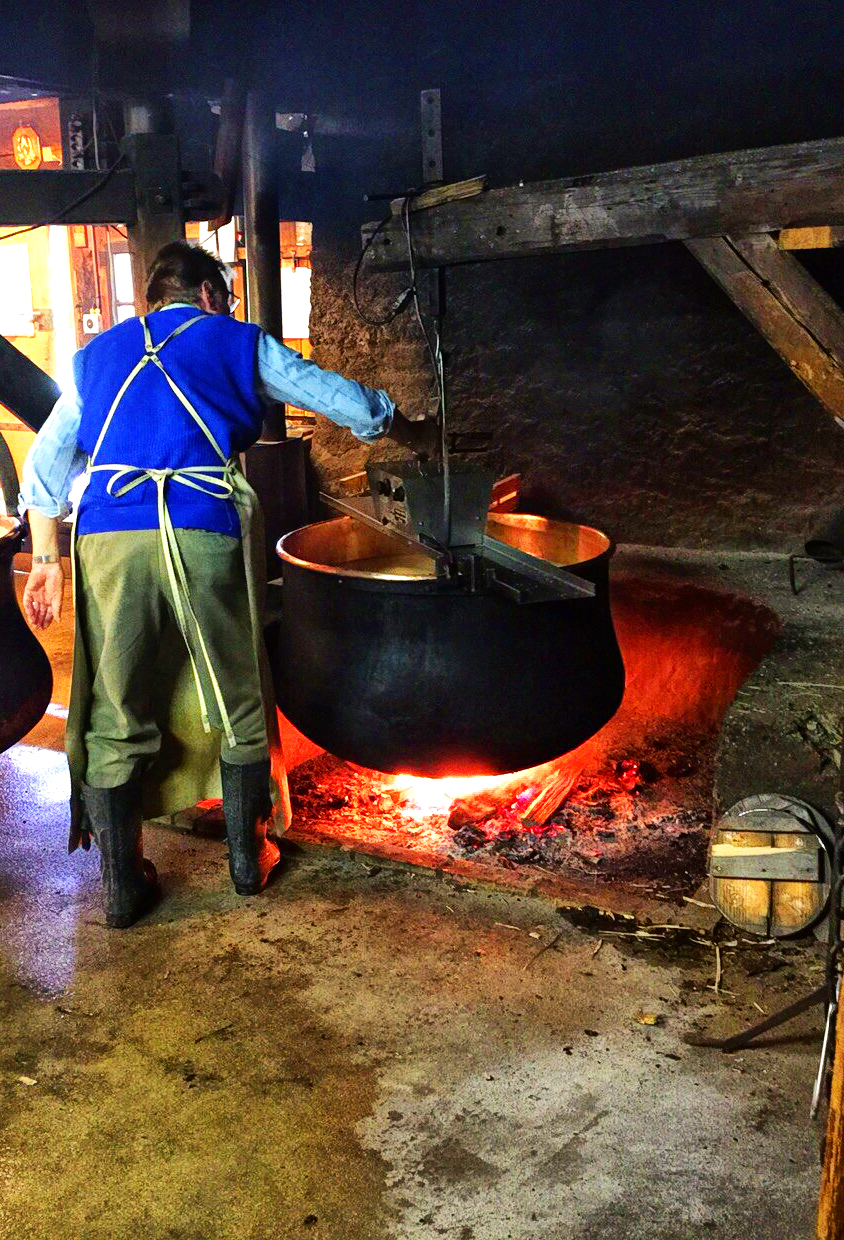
x,y
831,1206
153,155
263,245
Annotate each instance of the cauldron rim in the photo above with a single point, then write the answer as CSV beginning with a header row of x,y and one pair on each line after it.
x,y
286,548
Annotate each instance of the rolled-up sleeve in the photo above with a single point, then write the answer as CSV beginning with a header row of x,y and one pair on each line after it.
x,y
54,461
286,376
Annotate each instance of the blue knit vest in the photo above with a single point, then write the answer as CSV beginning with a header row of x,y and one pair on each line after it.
x,y
214,363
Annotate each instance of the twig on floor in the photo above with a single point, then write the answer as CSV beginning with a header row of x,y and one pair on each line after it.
x,y
808,684
544,949
213,1032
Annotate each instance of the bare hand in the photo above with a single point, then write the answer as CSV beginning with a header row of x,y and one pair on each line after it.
x,y
427,438
43,593
421,436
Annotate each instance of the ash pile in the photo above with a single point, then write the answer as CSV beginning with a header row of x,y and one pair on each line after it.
x,y
634,818
643,818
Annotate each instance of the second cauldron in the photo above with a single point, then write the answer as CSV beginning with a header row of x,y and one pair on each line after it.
x,y
379,663
27,682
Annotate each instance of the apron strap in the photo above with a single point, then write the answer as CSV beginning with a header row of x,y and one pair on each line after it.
x,y
130,378
177,331
151,352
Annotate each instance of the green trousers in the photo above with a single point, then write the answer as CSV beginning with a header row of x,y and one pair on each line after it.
x,y
127,613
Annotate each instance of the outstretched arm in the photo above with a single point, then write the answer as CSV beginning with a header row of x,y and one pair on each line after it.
x,y
367,412
53,463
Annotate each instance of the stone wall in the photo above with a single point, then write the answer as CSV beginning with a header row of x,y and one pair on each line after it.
x,y
623,384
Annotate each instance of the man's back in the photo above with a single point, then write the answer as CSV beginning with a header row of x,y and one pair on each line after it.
x,y
212,363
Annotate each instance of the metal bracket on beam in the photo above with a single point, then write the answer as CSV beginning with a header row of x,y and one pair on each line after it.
x,y
432,137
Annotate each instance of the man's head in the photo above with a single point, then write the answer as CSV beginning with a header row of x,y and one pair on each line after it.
x,y
184,272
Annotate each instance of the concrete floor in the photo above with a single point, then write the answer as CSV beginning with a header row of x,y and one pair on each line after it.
x,y
366,1053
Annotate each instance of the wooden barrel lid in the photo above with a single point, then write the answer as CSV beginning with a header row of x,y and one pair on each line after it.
x,y
783,837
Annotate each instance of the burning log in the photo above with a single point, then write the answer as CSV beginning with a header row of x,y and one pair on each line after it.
x,y
478,806
550,797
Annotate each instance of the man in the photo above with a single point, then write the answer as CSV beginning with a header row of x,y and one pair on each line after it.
x,y
170,700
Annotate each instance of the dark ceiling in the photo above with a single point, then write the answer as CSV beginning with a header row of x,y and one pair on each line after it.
x,y
359,57
530,89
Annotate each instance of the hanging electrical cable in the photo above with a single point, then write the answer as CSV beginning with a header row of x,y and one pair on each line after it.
x,y
401,301
408,296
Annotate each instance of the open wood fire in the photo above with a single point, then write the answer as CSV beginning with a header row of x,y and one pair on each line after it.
x,y
634,803
643,817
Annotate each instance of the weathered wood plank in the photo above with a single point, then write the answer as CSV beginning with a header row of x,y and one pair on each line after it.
x,y
830,1224
797,290
439,194
791,865
744,902
740,192
795,905
792,312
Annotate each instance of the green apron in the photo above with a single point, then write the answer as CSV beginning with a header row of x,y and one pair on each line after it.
x,y
171,786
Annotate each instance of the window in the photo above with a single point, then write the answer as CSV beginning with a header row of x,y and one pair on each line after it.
x,y
124,291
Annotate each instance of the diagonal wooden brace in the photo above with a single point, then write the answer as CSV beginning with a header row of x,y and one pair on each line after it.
x,y
783,301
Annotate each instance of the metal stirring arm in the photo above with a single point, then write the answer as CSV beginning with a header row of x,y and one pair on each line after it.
x,y
362,508
535,580
487,564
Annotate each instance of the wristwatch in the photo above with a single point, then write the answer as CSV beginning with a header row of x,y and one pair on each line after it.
x,y
45,559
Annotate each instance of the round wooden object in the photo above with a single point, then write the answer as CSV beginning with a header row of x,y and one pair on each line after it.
x,y
770,908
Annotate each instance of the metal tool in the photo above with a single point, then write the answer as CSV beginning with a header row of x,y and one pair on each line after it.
x,y
444,516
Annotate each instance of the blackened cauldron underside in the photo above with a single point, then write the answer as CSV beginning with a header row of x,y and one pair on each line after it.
x,y
395,673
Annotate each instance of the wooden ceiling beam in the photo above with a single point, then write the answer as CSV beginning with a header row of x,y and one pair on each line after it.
x,y
738,193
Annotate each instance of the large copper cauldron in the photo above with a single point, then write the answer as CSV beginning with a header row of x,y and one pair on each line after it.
x,y
26,680
378,662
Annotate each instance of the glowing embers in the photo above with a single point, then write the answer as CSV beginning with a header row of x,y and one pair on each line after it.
x,y
623,818
579,816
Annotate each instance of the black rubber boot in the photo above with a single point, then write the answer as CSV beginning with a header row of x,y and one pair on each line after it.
x,y
247,806
130,884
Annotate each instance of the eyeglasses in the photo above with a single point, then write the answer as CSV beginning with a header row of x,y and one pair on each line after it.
x,y
234,302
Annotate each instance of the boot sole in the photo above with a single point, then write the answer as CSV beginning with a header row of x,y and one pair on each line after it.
x,y
122,921
256,887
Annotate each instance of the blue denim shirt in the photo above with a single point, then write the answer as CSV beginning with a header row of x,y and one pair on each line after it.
x,y
55,461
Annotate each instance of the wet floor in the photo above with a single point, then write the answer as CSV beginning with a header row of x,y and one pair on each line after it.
x,y
366,1053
